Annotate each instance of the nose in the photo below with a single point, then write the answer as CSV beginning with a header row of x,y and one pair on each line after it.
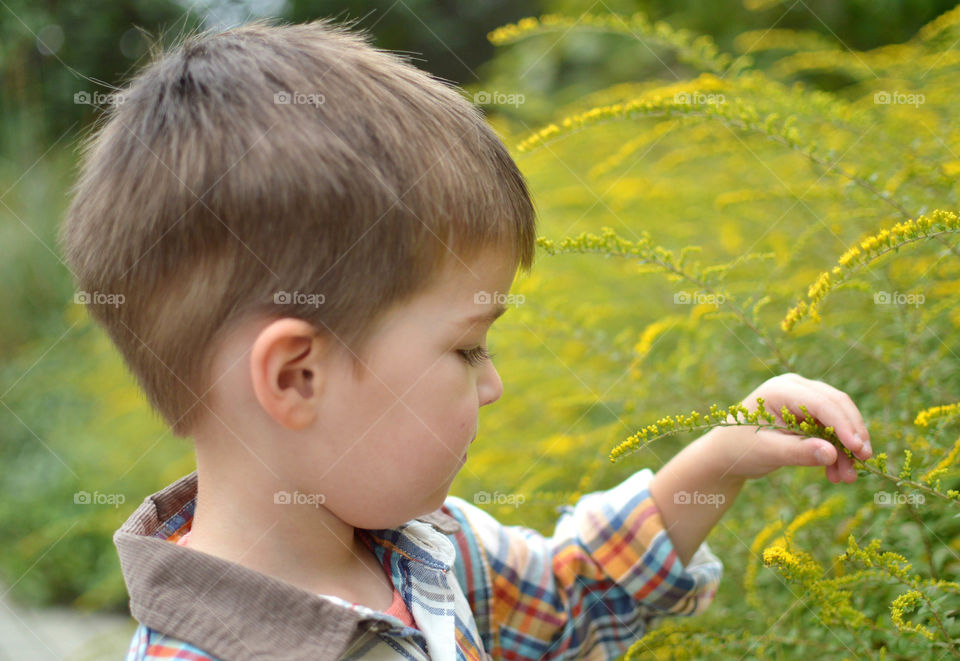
x,y
489,387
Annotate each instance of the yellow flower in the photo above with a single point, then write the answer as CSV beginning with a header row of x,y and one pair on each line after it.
x,y
857,256
924,417
907,601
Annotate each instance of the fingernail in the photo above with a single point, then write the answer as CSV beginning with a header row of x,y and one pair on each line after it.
x,y
868,448
857,438
822,455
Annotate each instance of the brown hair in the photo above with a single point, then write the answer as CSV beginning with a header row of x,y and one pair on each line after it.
x,y
247,172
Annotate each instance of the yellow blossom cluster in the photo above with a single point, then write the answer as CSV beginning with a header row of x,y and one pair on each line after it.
x,y
906,602
925,417
609,244
942,466
700,50
666,102
826,595
869,249
756,548
734,415
829,507
782,542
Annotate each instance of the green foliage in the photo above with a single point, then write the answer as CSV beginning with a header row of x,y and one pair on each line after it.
x,y
750,225
721,197
760,419
50,52
81,449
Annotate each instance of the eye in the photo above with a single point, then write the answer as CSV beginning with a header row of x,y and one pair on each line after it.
x,y
475,356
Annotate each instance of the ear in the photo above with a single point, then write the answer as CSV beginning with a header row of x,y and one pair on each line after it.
x,y
285,370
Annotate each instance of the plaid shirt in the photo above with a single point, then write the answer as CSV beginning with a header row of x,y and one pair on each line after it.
x,y
477,589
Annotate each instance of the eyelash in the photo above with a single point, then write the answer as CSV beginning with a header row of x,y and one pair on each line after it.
x,y
475,356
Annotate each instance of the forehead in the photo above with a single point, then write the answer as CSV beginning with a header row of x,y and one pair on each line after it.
x,y
459,292
488,269
470,287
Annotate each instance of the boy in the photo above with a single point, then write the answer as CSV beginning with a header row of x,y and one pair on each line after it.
x,y
310,235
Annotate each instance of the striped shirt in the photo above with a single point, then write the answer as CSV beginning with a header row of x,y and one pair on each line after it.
x,y
476,589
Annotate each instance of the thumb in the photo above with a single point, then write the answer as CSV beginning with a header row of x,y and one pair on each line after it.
x,y
796,450
813,452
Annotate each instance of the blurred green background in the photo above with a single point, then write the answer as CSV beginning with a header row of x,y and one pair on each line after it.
x,y
71,418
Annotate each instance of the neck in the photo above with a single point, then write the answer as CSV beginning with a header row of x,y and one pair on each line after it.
x,y
237,518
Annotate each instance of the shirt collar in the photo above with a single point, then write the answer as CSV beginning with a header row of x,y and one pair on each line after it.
x,y
234,612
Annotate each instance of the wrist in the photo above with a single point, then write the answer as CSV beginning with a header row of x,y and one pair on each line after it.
x,y
720,447
693,490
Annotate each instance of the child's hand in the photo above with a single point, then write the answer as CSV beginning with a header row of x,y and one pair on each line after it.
x,y
751,453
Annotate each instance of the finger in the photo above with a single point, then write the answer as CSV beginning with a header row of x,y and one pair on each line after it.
x,y
831,472
827,410
819,452
794,451
768,450
845,468
842,398
853,414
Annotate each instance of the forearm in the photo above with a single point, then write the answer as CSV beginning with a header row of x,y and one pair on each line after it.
x,y
692,493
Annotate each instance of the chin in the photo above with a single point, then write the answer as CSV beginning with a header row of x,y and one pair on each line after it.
x,y
387,520
383,523
438,501
432,505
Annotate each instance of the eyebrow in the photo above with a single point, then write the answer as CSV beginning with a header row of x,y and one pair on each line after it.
x,y
489,316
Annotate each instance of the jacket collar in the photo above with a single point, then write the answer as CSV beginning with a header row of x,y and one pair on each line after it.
x,y
226,609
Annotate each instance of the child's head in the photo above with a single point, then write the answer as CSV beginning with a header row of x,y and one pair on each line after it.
x,y
384,445
297,182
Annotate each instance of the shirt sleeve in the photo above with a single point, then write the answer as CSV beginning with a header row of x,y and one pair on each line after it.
x,y
588,591
149,645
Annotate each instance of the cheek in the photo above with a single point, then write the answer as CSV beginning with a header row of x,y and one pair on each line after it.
x,y
450,388
402,396
409,448
435,417
431,378
442,400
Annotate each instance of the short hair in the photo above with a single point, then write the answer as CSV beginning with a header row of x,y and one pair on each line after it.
x,y
253,171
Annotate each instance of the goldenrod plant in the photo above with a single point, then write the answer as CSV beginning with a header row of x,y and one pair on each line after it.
x,y
789,205
731,219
